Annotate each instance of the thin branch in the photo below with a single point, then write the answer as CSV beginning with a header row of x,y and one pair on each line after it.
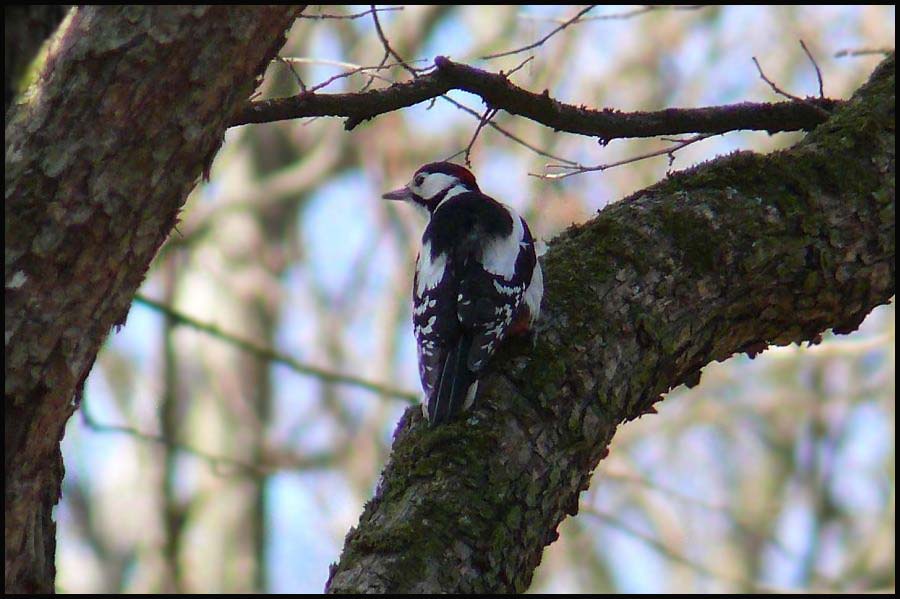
x,y
354,69
387,46
734,519
497,91
774,87
346,65
387,50
453,156
522,64
815,66
218,464
543,39
579,169
675,555
272,355
781,92
488,115
372,10
300,83
862,52
505,133
622,15
215,462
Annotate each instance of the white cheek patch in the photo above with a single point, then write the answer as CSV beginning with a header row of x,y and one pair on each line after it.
x,y
430,272
501,253
433,184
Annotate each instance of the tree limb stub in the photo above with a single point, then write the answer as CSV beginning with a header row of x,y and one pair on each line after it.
x,y
730,256
498,92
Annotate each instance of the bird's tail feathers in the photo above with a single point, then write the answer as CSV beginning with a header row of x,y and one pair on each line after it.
x,y
453,391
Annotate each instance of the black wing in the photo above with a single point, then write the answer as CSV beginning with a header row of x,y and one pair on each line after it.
x,y
489,302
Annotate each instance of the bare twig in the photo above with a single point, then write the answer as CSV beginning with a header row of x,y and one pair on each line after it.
x,y
505,133
220,464
774,87
267,353
622,15
353,16
387,46
488,115
781,92
372,76
522,64
815,66
387,52
541,41
454,155
353,69
862,52
733,518
290,65
356,69
351,66
215,462
578,169
674,554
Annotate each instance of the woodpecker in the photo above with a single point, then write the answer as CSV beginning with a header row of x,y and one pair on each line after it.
x,y
477,281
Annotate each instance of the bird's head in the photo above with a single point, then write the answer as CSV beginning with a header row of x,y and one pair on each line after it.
x,y
434,183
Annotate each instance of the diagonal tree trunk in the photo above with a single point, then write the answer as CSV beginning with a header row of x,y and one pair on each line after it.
x,y
730,256
131,107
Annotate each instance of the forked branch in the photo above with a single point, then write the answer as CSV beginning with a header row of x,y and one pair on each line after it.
x,y
499,93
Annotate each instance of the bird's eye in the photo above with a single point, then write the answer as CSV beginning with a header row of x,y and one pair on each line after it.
x,y
419,180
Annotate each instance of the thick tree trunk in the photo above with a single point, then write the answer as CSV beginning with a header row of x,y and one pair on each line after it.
x,y
733,255
131,107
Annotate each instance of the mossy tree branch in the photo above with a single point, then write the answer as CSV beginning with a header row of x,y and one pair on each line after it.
x,y
731,256
131,106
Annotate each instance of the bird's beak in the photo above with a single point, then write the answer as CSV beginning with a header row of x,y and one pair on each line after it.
x,y
402,194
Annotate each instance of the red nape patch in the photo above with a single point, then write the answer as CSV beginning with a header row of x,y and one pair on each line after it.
x,y
454,170
463,174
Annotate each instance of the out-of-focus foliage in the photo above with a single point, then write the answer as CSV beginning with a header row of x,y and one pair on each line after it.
x,y
197,466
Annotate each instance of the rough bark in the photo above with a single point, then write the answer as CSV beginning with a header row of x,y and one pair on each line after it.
x,y
731,256
131,106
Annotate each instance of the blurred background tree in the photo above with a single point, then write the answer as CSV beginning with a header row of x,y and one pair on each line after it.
x,y
232,430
